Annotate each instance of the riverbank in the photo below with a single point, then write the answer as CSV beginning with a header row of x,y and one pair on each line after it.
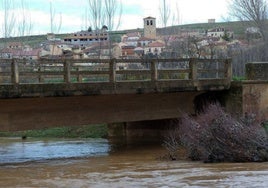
x,y
87,131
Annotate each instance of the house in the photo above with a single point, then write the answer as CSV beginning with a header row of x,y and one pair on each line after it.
x,y
14,45
131,39
139,51
8,53
32,54
87,38
51,49
98,51
220,32
128,52
154,48
144,41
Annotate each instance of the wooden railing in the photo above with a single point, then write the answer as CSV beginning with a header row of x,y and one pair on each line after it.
x,y
16,71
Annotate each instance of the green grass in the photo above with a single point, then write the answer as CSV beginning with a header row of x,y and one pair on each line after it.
x,y
88,131
237,78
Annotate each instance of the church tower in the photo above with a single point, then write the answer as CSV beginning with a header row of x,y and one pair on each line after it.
x,y
149,27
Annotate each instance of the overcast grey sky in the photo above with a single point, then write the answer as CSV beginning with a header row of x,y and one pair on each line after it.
x,y
73,11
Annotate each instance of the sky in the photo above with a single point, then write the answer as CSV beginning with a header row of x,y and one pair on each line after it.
x,y
72,13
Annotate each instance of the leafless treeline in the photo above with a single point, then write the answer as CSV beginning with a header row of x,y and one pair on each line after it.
x,y
16,23
256,12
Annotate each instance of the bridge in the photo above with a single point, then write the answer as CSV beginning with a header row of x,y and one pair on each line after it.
x,y
38,94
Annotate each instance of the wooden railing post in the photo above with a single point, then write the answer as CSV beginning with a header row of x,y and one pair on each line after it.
x,y
15,72
154,72
67,71
228,69
41,69
112,69
193,69
79,77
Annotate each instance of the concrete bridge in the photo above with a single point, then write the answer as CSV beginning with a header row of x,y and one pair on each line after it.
x,y
49,93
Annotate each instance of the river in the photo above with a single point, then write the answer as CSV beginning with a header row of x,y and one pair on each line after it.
x,y
97,163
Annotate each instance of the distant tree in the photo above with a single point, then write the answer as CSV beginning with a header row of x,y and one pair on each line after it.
x,y
9,18
252,10
96,14
169,17
85,20
54,27
105,14
25,25
113,13
165,12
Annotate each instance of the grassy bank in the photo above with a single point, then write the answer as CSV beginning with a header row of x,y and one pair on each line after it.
x,y
88,131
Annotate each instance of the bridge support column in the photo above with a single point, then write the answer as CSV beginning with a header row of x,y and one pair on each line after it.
x,y
142,131
117,130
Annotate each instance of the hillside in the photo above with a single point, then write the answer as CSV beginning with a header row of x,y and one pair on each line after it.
x,y
237,27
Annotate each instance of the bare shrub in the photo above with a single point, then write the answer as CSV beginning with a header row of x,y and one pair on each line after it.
x,y
215,136
172,143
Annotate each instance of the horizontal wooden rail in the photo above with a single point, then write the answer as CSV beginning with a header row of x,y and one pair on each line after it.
x,y
17,71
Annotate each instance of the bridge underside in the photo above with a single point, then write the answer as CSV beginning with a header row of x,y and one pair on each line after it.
x,y
37,113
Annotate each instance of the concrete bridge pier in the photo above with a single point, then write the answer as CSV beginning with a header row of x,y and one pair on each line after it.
x,y
142,131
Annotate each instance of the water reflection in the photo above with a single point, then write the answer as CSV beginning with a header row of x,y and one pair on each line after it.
x,y
17,150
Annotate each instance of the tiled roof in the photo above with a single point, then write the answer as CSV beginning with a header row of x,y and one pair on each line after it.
x,y
149,17
144,39
15,52
135,34
156,44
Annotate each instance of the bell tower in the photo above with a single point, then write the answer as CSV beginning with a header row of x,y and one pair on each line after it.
x,y
149,27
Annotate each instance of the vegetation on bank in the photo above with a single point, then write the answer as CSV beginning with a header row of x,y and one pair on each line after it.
x,y
87,131
238,78
215,136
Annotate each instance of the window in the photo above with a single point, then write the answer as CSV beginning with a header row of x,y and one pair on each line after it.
x,y
151,22
148,23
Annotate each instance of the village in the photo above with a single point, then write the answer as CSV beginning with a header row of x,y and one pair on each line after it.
x,y
150,42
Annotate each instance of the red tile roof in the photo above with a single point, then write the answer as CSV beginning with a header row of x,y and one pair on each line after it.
x,y
156,44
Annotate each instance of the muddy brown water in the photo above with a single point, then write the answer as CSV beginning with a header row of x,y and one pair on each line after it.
x,y
95,163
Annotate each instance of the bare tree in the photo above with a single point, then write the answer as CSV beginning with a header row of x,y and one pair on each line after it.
x,y
165,12
113,8
85,20
24,23
96,14
251,10
9,19
54,27
105,12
